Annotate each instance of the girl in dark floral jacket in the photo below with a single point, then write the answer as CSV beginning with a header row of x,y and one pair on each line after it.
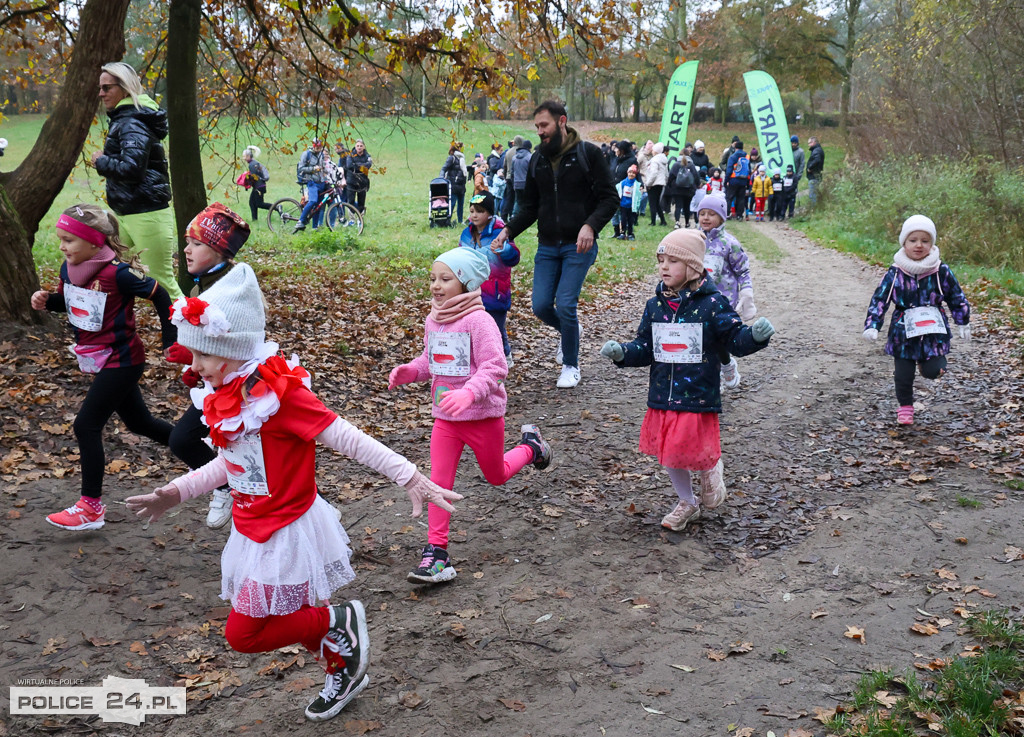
x,y
916,284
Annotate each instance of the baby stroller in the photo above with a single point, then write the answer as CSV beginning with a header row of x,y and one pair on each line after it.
x,y
440,203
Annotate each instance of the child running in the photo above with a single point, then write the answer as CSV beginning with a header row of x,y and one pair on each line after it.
x,y
286,550
919,335
97,290
462,357
497,290
629,203
212,239
729,267
681,331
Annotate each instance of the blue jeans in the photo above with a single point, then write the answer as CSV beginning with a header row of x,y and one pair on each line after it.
x,y
314,191
500,317
558,276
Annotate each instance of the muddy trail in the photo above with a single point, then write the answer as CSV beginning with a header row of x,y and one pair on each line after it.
x,y
574,612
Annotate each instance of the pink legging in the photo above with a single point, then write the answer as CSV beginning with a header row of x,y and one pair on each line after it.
x,y
487,439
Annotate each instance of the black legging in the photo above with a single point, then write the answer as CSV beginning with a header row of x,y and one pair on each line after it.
x,y
256,202
186,439
683,200
654,199
903,375
112,390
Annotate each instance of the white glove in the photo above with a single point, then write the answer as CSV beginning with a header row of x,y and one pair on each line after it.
x,y
870,334
965,333
745,305
613,350
422,489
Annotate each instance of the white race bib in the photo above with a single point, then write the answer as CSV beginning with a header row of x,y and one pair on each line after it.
x,y
247,471
678,342
787,182
922,321
713,264
448,354
85,307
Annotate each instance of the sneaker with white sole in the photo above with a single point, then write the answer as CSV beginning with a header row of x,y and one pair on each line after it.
x,y
220,509
347,638
678,518
540,446
338,690
78,517
731,374
435,567
558,354
509,361
712,486
569,377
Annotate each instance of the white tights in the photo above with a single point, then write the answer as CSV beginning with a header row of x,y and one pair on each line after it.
x,y
683,485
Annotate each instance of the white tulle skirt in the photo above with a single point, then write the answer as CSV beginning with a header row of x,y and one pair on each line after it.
x,y
300,564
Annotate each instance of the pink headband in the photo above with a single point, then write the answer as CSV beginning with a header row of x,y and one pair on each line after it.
x,y
81,230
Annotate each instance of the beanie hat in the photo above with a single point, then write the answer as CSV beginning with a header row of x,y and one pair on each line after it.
x,y
688,246
777,172
632,169
794,139
762,167
714,202
917,222
219,228
699,144
484,200
469,266
659,147
527,145
227,321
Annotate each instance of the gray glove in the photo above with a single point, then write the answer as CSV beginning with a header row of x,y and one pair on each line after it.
x,y
870,334
613,350
762,330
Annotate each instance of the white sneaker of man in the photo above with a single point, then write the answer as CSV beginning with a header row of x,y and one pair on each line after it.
x,y
569,377
220,509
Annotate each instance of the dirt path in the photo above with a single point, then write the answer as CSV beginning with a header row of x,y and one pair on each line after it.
x,y
574,612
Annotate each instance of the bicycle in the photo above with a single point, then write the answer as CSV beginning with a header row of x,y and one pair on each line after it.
x,y
286,212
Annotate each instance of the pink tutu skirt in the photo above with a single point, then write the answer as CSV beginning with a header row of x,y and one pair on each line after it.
x,y
688,440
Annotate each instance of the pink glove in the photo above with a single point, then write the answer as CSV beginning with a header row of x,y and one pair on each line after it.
x,y
456,401
422,489
404,374
178,353
154,506
745,305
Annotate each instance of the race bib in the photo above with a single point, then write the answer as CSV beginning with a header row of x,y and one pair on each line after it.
x,y
713,264
787,182
449,354
85,307
247,471
922,321
678,342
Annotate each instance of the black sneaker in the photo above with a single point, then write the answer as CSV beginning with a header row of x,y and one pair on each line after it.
x,y
541,448
338,690
297,228
435,567
347,637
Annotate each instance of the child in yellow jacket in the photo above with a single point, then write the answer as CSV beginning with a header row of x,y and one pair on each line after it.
x,y
761,186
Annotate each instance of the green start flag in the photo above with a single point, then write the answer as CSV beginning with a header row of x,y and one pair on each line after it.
x,y
770,120
678,101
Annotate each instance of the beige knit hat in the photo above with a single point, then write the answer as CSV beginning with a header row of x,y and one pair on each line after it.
x,y
227,320
688,246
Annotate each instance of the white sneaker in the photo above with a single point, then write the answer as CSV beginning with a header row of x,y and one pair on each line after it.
x,y
569,377
731,374
509,361
220,509
558,354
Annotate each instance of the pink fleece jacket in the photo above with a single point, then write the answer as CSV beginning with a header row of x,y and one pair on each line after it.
x,y
487,368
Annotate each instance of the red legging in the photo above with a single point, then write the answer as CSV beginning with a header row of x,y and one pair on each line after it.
x,y
262,634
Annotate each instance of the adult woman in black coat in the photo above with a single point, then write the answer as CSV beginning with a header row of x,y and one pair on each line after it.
x,y
454,170
682,188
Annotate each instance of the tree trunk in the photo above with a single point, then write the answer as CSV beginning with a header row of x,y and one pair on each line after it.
x,y
852,12
637,97
28,192
186,163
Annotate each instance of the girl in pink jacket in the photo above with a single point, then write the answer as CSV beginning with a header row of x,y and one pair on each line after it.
x,y
465,362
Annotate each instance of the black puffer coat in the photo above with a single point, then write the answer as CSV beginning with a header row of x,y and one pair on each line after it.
x,y
133,160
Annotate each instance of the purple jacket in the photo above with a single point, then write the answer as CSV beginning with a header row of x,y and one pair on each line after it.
x,y
487,368
735,265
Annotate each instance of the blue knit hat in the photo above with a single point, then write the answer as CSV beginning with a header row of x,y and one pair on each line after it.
x,y
469,266
794,139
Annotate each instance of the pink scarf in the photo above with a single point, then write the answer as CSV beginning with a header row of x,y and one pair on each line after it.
x,y
81,274
456,307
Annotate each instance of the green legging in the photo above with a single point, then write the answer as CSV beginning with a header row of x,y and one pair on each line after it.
x,y
152,235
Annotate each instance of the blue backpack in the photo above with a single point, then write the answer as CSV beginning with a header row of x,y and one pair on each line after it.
x,y
741,168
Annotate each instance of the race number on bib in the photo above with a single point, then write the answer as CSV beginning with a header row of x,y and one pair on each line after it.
x,y
449,354
247,471
85,307
923,320
713,264
681,342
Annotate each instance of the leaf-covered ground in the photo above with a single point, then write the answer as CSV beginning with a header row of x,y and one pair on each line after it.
x,y
574,612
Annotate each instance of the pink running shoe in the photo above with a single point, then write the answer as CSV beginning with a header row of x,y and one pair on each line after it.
x,y
678,518
78,517
905,414
712,487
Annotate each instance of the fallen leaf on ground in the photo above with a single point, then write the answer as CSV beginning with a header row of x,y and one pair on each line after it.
x,y
410,699
855,633
550,511
818,613
886,699
513,704
650,710
684,668
945,573
923,628
138,647
798,732
919,477
299,685
53,645
744,732
362,726
1013,553
740,647
716,655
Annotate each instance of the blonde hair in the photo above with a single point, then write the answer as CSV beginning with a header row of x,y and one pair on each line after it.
x,y
104,221
253,151
127,77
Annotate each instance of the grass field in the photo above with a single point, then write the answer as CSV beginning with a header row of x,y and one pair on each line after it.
x,y
407,154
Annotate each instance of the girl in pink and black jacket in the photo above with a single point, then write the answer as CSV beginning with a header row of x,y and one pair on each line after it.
x,y
465,362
